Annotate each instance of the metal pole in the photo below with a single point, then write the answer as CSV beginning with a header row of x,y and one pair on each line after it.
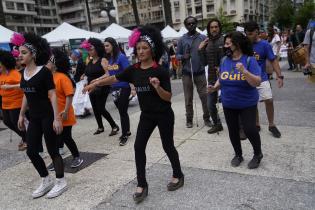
x,y
135,12
88,14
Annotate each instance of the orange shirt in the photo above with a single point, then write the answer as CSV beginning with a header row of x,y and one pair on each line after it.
x,y
11,99
64,88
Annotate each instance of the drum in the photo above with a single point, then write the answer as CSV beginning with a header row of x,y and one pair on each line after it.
x,y
299,55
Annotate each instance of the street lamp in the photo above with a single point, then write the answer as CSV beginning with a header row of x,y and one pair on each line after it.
x,y
109,11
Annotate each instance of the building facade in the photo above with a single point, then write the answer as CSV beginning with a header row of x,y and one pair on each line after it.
x,y
238,11
150,11
39,16
75,13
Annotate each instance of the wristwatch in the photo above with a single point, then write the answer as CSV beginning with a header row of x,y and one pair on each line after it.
x,y
281,77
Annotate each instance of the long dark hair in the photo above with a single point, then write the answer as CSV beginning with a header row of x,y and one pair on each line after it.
x,y
241,41
7,59
209,23
116,49
99,47
62,63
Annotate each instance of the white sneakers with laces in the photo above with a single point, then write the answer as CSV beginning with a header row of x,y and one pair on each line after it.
x,y
46,185
52,189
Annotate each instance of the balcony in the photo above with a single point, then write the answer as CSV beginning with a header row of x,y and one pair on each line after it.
x,y
232,12
99,20
62,1
75,20
70,9
198,3
19,12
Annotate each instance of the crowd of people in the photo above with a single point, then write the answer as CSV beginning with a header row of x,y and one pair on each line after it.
x,y
39,86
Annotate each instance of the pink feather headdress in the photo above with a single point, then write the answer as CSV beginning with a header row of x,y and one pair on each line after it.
x,y
134,37
86,45
15,53
17,39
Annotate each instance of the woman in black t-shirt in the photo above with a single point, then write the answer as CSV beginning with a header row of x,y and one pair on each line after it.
x,y
96,68
40,97
153,88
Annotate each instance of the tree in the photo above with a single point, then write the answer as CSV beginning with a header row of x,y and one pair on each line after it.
x,y
283,14
305,13
227,25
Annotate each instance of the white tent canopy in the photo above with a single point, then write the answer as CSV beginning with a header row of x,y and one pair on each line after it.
x,y
5,34
169,33
117,32
65,31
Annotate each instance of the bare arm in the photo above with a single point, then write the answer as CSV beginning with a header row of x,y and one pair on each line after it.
x,y
100,82
24,106
252,79
164,94
57,121
277,69
10,87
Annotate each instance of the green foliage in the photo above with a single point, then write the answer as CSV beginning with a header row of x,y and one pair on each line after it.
x,y
227,24
305,13
283,14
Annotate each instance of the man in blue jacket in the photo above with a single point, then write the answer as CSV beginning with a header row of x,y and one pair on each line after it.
x,y
192,69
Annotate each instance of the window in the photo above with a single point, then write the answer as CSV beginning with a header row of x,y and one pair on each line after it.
x,y
20,6
45,12
30,7
189,11
20,29
198,9
9,5
210,8
176,4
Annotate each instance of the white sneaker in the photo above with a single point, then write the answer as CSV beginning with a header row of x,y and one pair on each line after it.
x,y
46,185
58,189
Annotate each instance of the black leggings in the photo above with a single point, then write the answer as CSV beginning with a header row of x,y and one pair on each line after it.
x,y
147,123
10,119
37,127
122,104
66,138
98,100
248,120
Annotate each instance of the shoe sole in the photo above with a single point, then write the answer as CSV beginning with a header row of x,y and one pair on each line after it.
x,y
75,166
57,194
44,192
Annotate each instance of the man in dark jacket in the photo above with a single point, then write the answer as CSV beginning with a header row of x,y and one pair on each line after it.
x,y
193,71
76,57
211,52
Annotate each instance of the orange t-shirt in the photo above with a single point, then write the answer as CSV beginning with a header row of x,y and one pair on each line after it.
x,y
64,88
11,99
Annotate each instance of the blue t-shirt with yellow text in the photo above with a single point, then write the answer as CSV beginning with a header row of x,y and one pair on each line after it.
x,y
262,52
118,66
236,92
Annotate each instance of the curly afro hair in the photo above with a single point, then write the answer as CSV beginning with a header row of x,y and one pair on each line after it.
x,y
156,37
62,63
41,45
98,45
7,60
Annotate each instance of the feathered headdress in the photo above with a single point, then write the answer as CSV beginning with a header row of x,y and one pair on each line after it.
x,y
17,39
86,45
134,37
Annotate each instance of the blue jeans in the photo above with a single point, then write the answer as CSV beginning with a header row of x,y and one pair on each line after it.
x,y
212,107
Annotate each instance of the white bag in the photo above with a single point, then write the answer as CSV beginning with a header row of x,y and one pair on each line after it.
x,y
80,101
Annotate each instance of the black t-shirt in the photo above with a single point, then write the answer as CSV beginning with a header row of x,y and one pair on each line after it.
x,y
94,70
36,92
149,99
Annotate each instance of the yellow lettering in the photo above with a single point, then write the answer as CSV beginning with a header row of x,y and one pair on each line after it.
x,y
224,75
232,77
243,77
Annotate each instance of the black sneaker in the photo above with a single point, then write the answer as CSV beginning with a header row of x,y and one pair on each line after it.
x,y
50,167
189,124
236,161
174,186
208,123
123,140
254,163
114,131
215,129
275,132
76,162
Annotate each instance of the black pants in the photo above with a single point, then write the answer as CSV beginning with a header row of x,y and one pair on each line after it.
x,y
147,123
66,138
98,100
248,120
10,119
122,103
37,127
212,106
